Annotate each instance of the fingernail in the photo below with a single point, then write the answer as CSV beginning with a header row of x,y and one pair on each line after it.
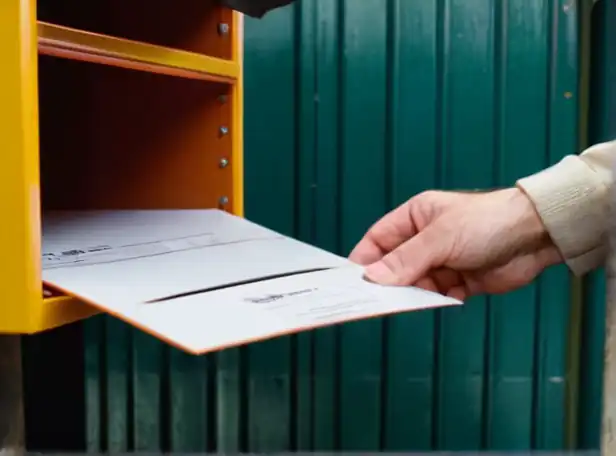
x,y
380,273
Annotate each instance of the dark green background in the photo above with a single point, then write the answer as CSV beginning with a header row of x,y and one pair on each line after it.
x,y
353,106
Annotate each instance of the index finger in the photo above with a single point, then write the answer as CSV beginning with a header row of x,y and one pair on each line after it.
x,y
385,235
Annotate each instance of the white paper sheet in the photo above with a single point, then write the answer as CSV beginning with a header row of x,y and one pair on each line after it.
x,y
138,256
120,261
262,310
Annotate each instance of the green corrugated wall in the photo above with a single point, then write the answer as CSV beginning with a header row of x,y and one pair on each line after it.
x,y
351,108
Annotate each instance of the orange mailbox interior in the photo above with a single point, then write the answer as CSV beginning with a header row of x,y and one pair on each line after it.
x,y
139,107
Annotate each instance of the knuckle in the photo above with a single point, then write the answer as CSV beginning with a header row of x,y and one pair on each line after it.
x,y
430,195
425,195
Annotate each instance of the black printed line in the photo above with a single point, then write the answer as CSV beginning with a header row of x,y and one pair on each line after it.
x,y
260,279
74,264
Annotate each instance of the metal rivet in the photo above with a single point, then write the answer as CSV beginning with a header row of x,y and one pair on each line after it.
x,y
568,95
223,162
566,7
224,130
223,28
222,99
223,200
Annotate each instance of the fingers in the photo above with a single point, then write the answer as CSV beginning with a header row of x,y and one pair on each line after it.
x,y
427,283
460,293
384,236
445,279
440,280
519,271
411,261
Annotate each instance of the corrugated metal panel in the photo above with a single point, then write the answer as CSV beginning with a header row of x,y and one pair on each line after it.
x,y
384,100
352,107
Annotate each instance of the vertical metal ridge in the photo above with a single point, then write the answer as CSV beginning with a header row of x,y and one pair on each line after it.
x,y
500,83
243,401
499,45
94,390
306,178
392,99
117,406
576,316
341,115
442,65
340,140
306,132
131,403
165,406
555,285
298,119
293,356
538,368
211,396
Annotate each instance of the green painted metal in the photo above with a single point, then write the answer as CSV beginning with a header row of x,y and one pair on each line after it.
x,y
351,108
391,99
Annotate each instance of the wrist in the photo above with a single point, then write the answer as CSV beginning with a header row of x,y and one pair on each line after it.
x,y
531,231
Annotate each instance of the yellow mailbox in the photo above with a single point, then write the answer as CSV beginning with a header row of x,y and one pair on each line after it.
x,y
109,104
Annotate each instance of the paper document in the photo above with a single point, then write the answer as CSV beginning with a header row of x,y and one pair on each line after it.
x,y
204,280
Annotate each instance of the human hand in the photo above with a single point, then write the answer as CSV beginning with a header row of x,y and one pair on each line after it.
x,y
459,244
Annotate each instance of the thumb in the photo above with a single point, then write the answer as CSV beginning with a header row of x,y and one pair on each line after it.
x,y
411,261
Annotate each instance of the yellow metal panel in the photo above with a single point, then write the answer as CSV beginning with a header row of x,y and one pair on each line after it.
x,y
237,153
23,309
19,176
82,45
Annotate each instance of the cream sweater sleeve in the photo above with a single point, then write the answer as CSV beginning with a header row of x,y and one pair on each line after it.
x,y
572,199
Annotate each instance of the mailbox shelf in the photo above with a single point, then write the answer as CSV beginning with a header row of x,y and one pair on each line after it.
x,y
110,104
197,26
58,41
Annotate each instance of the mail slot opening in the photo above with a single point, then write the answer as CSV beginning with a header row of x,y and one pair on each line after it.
x,y
200,26
113,138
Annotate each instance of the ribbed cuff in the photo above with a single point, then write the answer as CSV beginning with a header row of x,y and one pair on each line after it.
x,y
573,204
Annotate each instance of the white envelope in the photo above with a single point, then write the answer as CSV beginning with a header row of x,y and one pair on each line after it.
x,y
204,280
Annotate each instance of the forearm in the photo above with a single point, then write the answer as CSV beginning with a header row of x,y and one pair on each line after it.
x,y
572,198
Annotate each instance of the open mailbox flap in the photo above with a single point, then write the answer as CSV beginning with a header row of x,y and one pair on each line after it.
x,y
204,280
